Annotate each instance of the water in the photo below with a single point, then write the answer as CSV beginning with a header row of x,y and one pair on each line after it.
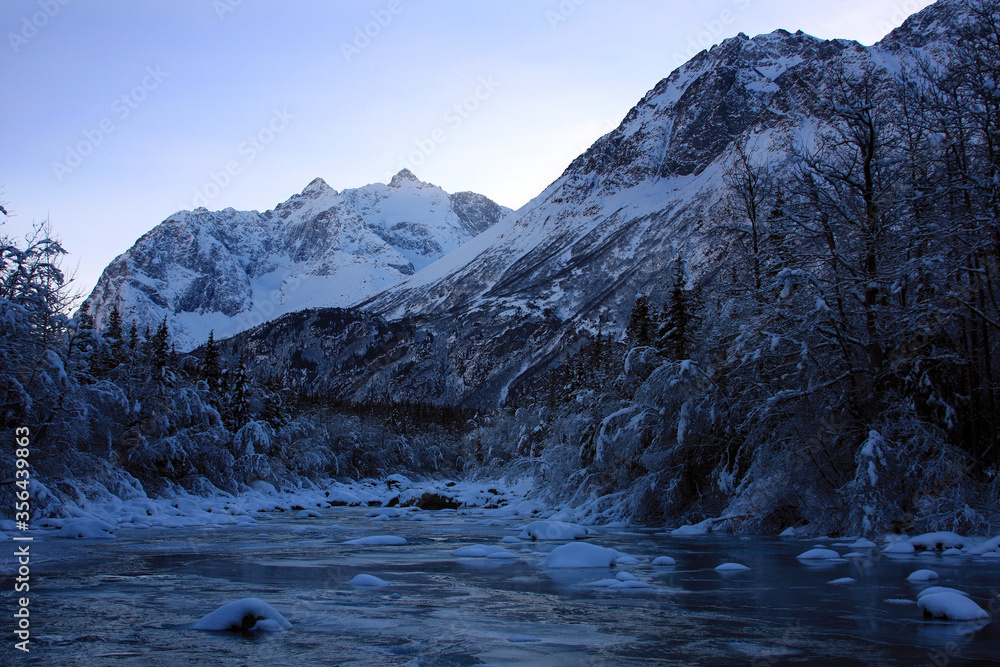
x,y
130,601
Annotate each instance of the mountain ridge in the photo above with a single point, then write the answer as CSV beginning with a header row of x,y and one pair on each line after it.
x,y
230,270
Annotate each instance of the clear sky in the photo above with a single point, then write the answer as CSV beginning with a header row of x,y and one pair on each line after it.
x,y
115,113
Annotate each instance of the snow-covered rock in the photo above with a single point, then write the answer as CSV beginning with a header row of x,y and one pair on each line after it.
x,y
552,530
664,561
899,548
732,567
483,551
581,554
378,540
842,581
701,528
951,606
931,590
818,554
246,615
985,547
862,543
939,540
922,575
367,581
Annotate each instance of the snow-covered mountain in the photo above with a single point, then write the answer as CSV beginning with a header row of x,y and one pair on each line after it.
x,y
231,270
572,261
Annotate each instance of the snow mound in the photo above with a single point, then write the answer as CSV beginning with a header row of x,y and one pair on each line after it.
x,y
696,529
478,551
818,554
952,552
931,590
732,567
246,615
939,540
626,560
788,532
862,543
552,530
902,547
664,560
86,529
922,575
992,545
503,553
309,514
380,540
843,581
951,607
368,581
581,554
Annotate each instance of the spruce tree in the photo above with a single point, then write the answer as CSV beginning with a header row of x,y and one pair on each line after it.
x,y
210,371
161,347
640,323
679,318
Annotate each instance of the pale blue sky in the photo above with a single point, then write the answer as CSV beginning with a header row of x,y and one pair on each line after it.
x,y
116,114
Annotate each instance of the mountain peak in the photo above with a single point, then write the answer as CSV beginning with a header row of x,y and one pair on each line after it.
x,y
316,186
402,177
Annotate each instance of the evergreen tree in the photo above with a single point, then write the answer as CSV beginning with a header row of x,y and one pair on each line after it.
x,y
679,318
114,332
210,371
237,398
640,324
161,347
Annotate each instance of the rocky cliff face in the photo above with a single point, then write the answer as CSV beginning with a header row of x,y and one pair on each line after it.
x,y
230,270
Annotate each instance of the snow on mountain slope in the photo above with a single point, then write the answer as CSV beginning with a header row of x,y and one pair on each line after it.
x,y
629,205
643,196
231,270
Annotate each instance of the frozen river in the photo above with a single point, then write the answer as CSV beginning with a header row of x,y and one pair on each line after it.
x,y
131,600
